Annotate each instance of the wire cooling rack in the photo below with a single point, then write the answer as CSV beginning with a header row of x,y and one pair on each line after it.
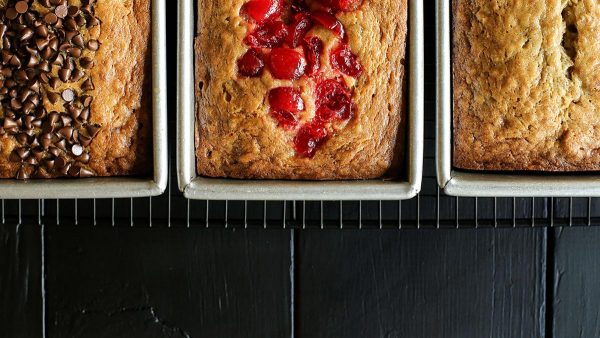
x,y
431,209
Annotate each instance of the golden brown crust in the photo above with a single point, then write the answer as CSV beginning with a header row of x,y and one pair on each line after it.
x,y
121,99
235,136
526,77
122,76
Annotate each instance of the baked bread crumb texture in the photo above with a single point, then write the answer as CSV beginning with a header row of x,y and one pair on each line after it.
x,y
74,88
526,85
293,89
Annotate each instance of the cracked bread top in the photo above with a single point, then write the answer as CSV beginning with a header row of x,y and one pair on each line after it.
x,y
236,137
526,85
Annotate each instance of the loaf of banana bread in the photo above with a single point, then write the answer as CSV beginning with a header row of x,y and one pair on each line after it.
x,y
75,94
526,83
300,89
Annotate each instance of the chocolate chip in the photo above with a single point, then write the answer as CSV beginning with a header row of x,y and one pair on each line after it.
x,y
73,10
61,11
93,45
54,151
22,174
42,31
86,63
38,154
49,164
26,34
77,75
78,40
93,22
60,162
74,52
22,138
93,130
77,150
9,123
67,132
31,160
68,95
60,60
45,142
86,100
53,82
74,171
64,74
74,112
65,170
66,120
22,7
50,18
11,13
23,153
53,97
41,43
85,173
84,158
87,85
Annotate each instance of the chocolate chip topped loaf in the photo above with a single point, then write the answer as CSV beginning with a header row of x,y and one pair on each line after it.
x,y
526,85
295,89
75,86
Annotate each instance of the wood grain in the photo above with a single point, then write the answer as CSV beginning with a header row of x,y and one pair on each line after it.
x,y
20,281
468,283
118,282
576,301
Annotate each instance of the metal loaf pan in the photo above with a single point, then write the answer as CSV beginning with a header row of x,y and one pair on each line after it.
x,y
116,186
471,184
196,187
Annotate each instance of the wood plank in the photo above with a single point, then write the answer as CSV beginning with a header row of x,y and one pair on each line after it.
x,y
576,302
447,283
20,281
159,282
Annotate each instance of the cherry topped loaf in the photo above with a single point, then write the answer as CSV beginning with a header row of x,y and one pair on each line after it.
x,y
75,86
300,89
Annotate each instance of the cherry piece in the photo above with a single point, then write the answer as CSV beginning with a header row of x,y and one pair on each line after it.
x,y
343,5
286,98
310,136
251,64
271,34
313,48
345,61
286,64
285,119
299,6
333,101
300,25
330,22
262,10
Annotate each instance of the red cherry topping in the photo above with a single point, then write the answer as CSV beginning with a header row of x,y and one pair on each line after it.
x,y
334,101
313,48
271,34
345,61
285,119
286,64
310,136
286,98
300,25
251,64
344,5
330,22
262,10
